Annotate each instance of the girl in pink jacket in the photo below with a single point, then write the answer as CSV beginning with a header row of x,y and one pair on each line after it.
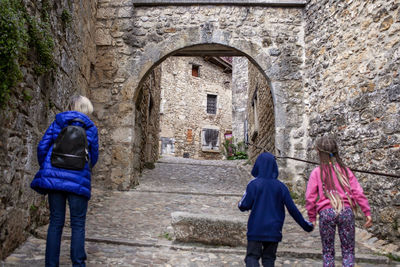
x,y
333,192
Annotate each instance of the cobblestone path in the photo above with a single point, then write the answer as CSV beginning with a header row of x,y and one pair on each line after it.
x,y
134,228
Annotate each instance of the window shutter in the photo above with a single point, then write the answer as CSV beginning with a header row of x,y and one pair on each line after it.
x,y
210,139
212,104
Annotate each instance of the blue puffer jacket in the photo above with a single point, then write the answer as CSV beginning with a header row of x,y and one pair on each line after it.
x,y
53,178
267,197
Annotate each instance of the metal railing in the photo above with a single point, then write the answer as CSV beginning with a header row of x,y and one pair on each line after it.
x,y
316,163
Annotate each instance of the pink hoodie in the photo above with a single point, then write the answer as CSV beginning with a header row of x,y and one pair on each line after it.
x,y
315,191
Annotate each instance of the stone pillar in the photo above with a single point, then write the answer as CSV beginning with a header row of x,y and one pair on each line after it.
x,y
239,97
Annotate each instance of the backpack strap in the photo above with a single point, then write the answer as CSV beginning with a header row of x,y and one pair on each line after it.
x,y
84,127
78,120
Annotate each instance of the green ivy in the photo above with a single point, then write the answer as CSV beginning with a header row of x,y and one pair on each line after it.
x,y
13,46
27,95
42,42
44,11
19,33
66,18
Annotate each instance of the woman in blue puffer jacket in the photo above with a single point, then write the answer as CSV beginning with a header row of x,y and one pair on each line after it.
x,y
62,184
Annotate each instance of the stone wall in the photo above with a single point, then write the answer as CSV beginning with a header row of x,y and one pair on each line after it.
x,y
148,120
352,90
132,40
184,104
240,79
331,67
260,113
144,145
31,109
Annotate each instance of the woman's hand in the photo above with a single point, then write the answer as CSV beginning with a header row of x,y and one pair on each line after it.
x,y
368,222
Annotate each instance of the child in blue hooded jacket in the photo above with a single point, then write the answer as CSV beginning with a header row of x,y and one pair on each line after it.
x,y
267,197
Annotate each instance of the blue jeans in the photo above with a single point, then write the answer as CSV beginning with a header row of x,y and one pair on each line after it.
x,y
78,208
261,249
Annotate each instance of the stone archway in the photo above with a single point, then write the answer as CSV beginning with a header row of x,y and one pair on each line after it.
x,y
143,42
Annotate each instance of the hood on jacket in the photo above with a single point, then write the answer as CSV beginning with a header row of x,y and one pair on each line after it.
x,y
64,118
265,167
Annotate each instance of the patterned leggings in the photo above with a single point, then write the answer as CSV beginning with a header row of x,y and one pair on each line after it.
x,y
327,227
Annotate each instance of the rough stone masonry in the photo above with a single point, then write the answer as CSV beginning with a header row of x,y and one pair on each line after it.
x,y
32,107
132,40
332,66
352,89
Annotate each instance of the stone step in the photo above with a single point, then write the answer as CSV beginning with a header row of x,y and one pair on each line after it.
x,y
219,230
209,229
283,251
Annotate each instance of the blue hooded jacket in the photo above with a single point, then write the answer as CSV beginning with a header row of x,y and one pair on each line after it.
x,y
267,197
52,178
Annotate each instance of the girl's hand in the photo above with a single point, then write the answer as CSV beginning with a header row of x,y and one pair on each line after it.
x,y
368,222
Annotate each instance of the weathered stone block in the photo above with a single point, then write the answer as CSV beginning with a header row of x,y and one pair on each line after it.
x,y
103,37
101,95
120,178
125,12
209,229
105,13
122,135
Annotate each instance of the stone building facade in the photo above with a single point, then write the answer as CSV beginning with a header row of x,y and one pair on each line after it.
x,y
32,107
196,107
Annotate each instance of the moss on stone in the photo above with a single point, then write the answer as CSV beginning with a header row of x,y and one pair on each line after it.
x,y
66,18
13,46
20,33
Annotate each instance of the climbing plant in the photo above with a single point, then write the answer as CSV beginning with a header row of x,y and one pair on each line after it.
x,y
41,39
42,42
66,19
20,33
235,151
13,46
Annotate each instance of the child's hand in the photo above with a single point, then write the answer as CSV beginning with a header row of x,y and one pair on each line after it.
x,y
311,224
368,222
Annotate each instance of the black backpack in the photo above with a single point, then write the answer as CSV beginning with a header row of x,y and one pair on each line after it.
x,y
70,150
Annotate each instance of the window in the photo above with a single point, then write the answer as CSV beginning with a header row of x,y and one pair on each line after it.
x,y
195,70
210,139
167,145
211,104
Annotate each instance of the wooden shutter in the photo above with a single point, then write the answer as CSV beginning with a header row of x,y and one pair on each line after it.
x,y
211,137
212,104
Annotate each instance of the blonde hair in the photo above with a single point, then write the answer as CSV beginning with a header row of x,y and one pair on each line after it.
x,y
81,104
